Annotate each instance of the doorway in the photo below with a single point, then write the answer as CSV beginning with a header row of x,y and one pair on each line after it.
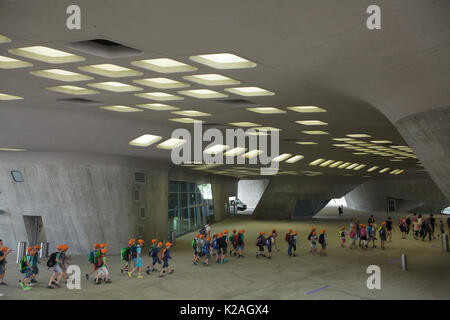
x,y
35,229
391,205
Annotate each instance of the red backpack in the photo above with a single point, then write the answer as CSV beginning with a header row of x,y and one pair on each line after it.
x,y
288,235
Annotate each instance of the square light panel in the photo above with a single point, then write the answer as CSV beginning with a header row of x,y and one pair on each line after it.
x,y
159,96
315,132
282,157
11,63
191,113
266,110
294,159
74,90
358,135
145,140
121,109
157,107
61,75
46,54
250,91
12,150
203,94
4,97
223,61
216,149
163,65
312,123
306,109
211,79
306,143
186,120
110,70
161,83
172,143
244,124
114,86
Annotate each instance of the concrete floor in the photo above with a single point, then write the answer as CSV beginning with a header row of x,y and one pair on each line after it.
x,y
343,270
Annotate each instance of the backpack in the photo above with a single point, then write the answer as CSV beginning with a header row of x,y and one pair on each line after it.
x,y
321,238
288,236
203,230
194,243
341,233
260,241
163,254
100,261
91,257
216,244
133,251
236,239
124,252
269,241
51,262
309,236
223,242
23,264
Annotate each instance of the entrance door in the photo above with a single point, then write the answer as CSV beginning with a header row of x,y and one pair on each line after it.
x,y
35,229
392,205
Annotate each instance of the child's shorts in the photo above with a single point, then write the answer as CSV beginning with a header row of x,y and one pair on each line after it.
x,y
342,240
137,263
166,264
269,249
324,245
261,248
314,245
156,260
240,247
35,270
28,273
102,271
57,269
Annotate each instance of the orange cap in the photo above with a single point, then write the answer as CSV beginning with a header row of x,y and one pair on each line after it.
x,y
295,233
262,232
243,231
197,235
103,245
221,234
234,230
104,251
384,223
29,249
60,247
140,241
270,234
343,227
96,245
159,244
226,232
353,226
314,232
4,249
154,240
208,239
168,244
290,230
38,247
202,236
273,230
323,230
65,247
313,228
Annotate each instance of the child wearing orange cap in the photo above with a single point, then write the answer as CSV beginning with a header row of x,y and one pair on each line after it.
x,y
215,246
240,244
57,269
260,241
4,251
35,262
353,236
222,240
137,258
125,257
64,258
154,254
102,268
195,246
232,239
383,234
275,239
93,258
165,254
269,242
26,267
309,236
342,236
323,242
313,240
205,249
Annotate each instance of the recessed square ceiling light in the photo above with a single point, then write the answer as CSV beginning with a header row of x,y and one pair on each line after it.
x,y
114,86
223,61
305,143
163,65
315,132
61,75
11,63
110,70
4,96
157,106
46,54
381,141
211,79
306,109
266,110
121,109
282,157
145,140
235,152
311,122
358,135
172,143
216,149
159,96
252,154
250,91
337,163
316,162
12,150
161,83
74,90
343,139
191,113
244,124
294,159
202,93
4,39
186,120
326,163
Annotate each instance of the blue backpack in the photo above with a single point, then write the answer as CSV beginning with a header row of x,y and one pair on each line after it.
x,y
216,244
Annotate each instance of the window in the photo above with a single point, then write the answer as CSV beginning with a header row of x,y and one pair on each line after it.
x,y
137,195
139,177
17,176
142,212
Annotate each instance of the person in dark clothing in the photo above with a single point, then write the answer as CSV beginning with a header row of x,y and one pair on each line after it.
x,y
260,242
448,224
427,229
432,225
389,229
371,220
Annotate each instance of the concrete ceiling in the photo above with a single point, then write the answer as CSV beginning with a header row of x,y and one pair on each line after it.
x,y
308,52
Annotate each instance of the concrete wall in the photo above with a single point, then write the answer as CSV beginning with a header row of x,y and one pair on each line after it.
x,y
251,191
428,134
419,195
81,203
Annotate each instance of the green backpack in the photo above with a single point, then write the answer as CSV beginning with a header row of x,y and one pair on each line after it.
x,y
124,253
23,264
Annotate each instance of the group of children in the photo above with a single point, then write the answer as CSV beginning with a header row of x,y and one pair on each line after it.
x,y
131,257
205,246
